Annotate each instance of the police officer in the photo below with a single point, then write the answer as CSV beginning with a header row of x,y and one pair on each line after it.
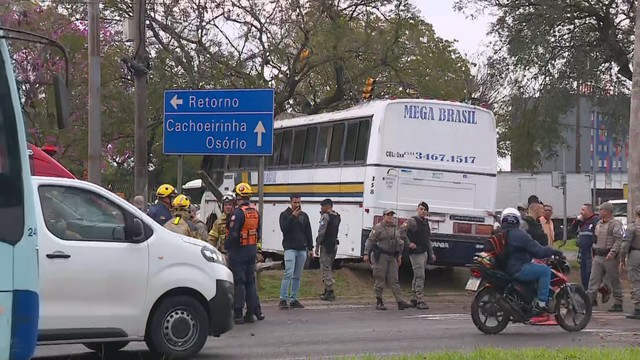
x,y
161,210
384,249
606,251
630,254
416,234
327,239
241,245
180,222
218,232
585,225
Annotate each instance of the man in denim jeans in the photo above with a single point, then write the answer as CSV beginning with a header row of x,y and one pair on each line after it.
x,y
521,249
297,241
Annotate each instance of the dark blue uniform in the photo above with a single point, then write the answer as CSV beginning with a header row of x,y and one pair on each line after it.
x,y
242,262
160,213
585,229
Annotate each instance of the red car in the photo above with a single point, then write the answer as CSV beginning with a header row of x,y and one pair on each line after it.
x,y
43,164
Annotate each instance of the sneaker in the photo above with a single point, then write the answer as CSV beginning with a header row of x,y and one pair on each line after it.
x,y
540,311
616,308
283,304
295,304
238,321
260,316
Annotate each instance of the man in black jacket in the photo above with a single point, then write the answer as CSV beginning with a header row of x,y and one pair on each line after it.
x,y
297,241
416,234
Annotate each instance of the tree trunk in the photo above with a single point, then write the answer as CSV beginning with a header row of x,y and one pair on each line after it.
x,y
633,164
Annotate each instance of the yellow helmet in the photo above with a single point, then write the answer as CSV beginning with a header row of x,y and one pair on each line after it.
x,y
181,202
165,190
244,189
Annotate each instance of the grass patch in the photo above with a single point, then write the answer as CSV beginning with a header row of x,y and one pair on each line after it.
x,y
571,245
521,354
346,284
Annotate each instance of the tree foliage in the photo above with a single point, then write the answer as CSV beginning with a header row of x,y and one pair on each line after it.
x,y
559,49
316,54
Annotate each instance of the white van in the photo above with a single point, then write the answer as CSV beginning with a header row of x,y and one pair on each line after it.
x,y
110,275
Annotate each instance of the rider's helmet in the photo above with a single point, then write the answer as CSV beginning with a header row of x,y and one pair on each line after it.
x,y
243,189
510,216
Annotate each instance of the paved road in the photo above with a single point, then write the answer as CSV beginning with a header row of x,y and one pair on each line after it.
x,y
322,330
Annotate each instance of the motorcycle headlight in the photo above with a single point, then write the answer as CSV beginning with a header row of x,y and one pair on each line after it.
x,y
212,255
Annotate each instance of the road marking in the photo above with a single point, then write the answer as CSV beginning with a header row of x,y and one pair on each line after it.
x,y
321,307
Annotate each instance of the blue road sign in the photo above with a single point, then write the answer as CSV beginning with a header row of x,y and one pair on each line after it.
x,y
218,122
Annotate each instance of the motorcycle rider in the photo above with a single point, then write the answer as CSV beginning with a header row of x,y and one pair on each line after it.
x,y
520,251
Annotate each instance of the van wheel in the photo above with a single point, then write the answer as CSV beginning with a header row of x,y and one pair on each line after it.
x,y
178,328
108,348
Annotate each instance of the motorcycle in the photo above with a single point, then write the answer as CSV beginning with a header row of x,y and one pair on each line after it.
x,y
502,299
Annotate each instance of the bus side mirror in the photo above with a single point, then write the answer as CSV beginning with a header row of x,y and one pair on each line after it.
x,y
62,101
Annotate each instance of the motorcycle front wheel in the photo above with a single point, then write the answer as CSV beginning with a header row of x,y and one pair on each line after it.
x,y
573,310
486,313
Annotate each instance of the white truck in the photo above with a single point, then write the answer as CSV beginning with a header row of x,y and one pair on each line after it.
x,y
514,188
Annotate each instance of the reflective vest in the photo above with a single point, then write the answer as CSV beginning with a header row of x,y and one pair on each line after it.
x,y
249,231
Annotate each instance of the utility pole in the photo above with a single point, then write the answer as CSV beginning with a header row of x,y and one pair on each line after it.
x,y
140,70
578,134
95,131
633,163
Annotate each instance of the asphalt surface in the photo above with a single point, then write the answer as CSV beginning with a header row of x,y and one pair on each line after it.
x,y
347,328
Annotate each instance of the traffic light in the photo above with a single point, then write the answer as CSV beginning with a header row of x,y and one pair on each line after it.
x,y
367,92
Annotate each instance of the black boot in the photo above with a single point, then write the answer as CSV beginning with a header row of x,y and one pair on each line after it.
x,y
404,305
616,308
634,315
380,305
328,295
414,303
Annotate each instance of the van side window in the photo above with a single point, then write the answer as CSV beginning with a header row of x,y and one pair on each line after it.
x,y
80,215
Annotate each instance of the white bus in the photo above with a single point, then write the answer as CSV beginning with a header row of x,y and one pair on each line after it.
x,y
378,155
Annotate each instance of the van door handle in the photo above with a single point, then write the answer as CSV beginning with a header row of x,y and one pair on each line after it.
x,y
58,255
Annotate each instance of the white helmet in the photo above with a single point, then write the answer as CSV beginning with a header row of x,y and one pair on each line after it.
x,y
228,197
510,216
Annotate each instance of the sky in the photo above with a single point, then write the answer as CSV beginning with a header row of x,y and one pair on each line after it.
x,y
470,34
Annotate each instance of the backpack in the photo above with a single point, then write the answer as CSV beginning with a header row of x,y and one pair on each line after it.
x,y
496,245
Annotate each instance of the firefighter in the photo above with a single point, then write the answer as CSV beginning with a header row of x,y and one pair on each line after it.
x,y
161,210
180,222
241,246
218,232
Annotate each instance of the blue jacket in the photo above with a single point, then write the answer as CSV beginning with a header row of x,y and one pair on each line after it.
x,y
586,229
160,213
521,249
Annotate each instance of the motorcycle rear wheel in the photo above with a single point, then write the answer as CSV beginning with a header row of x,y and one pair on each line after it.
x,y
486,305
566,314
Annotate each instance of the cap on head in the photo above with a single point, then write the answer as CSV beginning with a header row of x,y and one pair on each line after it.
x,y
424,205
389,211
606,206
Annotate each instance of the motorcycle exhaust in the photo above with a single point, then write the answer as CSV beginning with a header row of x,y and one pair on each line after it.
x,y
514,312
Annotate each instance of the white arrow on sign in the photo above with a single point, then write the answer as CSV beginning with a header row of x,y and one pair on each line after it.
x,y
175,102
260,130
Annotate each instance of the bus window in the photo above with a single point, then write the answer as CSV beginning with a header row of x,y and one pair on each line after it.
x,y
363,140
323,145
310,145
298,147
351,142
277,140
337,141
285,148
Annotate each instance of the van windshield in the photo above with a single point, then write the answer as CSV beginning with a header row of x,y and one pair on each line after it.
x,y
620,209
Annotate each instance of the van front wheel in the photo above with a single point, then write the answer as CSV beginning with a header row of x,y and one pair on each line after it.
x,y
177,328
